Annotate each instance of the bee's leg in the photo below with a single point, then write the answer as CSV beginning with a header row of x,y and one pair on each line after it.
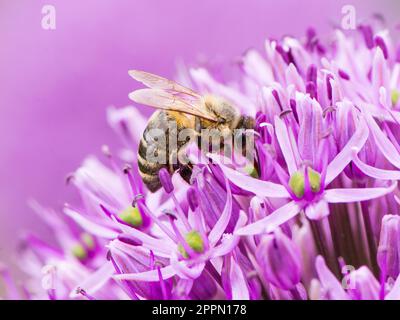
x,y
185,172
184,169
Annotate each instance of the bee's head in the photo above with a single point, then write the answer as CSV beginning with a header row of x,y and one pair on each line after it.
x,y
222,109
247,122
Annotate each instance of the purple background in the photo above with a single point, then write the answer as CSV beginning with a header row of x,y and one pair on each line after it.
x,y
56,85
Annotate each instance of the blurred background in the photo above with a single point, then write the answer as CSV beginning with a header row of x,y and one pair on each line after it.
x,y
55,85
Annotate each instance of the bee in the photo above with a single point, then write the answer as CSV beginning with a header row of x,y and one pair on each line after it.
x,y
186,109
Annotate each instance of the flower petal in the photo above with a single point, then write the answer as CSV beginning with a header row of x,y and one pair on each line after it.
x,y
260,188
271,222
375,172
394,294
96,280
382,141
343,158
257,68
293,77
90,226
310,115
152,275
183,270
161,246
229,241
318,210
10,285
380,71
285,144
222,223
356,194
238,282
329,282
128,122
207,83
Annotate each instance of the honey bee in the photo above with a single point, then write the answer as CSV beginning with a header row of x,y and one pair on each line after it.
x,y
186,110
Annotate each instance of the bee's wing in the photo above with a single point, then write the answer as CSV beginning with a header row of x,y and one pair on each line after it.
x,y
156,82
161,99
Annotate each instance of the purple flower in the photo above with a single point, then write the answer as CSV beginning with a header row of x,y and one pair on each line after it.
x,y
315,216
188,243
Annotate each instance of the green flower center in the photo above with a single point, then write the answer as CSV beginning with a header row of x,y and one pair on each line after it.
x,y
297,181
131,216
194,241
79,251
395,96
251,171
88,240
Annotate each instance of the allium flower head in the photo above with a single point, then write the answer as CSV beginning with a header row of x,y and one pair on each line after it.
x,y
314,216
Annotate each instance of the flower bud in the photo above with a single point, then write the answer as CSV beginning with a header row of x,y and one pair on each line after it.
x,y
279,257
192,198
166,181
388,255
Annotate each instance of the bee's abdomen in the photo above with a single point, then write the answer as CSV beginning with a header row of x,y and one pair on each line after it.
x,y
152,157
149,170
152,181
